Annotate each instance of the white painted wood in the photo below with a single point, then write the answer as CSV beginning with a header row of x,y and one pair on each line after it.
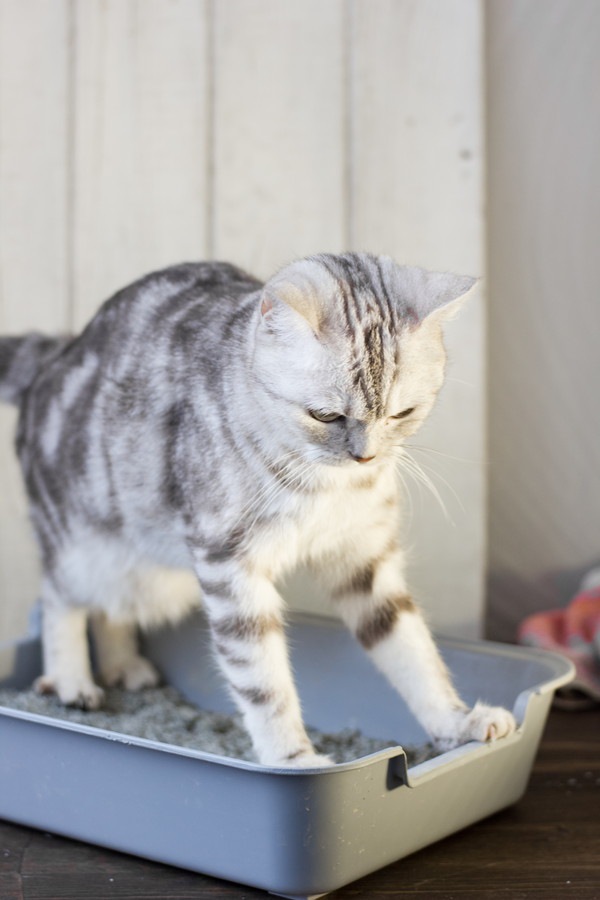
x,y
33,244
416,124
279,131
257,131
139,141
544,191
279,164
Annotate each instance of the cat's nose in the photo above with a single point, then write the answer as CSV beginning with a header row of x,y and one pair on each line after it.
x,y
362,458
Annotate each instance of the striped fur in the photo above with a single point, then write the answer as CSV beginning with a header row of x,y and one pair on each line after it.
x,y
183,429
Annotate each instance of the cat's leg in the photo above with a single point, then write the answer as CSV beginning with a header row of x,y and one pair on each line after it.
x,y
67,671
146,596
244,611
374,601
119,661
157,595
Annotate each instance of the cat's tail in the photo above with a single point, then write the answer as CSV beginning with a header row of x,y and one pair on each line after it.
x,y
21,358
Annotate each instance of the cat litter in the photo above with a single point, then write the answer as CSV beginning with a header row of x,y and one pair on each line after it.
x,y
296,833
163,715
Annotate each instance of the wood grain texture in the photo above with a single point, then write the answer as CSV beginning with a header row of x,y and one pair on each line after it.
x,y
546,847
417,170
279,148
544,222
139,142
142,132
417,194
33,242
279,131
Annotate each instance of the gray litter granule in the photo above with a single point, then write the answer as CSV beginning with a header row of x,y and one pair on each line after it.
x,y
162,714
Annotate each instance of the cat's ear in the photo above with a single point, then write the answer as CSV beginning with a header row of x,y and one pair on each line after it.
x,y
284,307
266,306
423,295
445,295
449,292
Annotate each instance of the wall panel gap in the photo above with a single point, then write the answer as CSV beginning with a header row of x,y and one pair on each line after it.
x,y
348,122
211,87
71,67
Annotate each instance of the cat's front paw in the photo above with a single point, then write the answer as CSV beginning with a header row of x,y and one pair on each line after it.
x,y
134,673
481,723
81,693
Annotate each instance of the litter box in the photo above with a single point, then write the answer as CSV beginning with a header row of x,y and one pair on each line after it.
x,y
295,833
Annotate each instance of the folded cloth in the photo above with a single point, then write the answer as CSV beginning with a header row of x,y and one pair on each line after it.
x,y
574,632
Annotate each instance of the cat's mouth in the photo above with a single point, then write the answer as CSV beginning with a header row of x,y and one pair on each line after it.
x,y
349,461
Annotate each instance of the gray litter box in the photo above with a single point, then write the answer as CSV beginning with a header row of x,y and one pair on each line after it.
x,y
293,833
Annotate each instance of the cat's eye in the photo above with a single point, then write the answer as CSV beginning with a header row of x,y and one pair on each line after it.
x,y
324,416
404,414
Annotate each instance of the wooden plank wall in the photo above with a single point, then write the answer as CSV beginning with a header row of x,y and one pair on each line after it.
x,y
34,258
135,134
544,228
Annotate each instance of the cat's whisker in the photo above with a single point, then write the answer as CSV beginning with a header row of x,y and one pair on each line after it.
x,y
406,492
265,497
434,451
461,381
444,481
269,501
285,462
413,468
289,480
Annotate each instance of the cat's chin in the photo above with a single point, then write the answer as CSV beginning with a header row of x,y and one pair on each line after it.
x,y
350,465
334,466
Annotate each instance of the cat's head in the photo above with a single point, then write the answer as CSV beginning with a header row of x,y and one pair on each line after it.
x,y
349,352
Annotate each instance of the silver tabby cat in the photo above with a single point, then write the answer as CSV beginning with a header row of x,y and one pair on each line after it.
x,y
206,422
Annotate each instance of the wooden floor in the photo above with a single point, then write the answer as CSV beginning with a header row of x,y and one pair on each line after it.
x,y
545,848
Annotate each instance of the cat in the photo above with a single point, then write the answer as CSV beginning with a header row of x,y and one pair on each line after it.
x,y
205,421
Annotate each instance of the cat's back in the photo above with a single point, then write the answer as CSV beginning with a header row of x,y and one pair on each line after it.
x,y
202,292
124,365
145,324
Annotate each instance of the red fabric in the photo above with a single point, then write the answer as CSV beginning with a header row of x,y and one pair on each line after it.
x,y
574,632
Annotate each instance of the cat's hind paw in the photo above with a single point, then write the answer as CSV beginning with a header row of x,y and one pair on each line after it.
x,y
481,723
309,760
303,759
134,673
81,693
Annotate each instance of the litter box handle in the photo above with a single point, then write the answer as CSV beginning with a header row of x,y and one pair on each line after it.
x,y
397,771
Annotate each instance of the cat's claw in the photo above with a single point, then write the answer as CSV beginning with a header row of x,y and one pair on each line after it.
x,y
81,693
481,723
